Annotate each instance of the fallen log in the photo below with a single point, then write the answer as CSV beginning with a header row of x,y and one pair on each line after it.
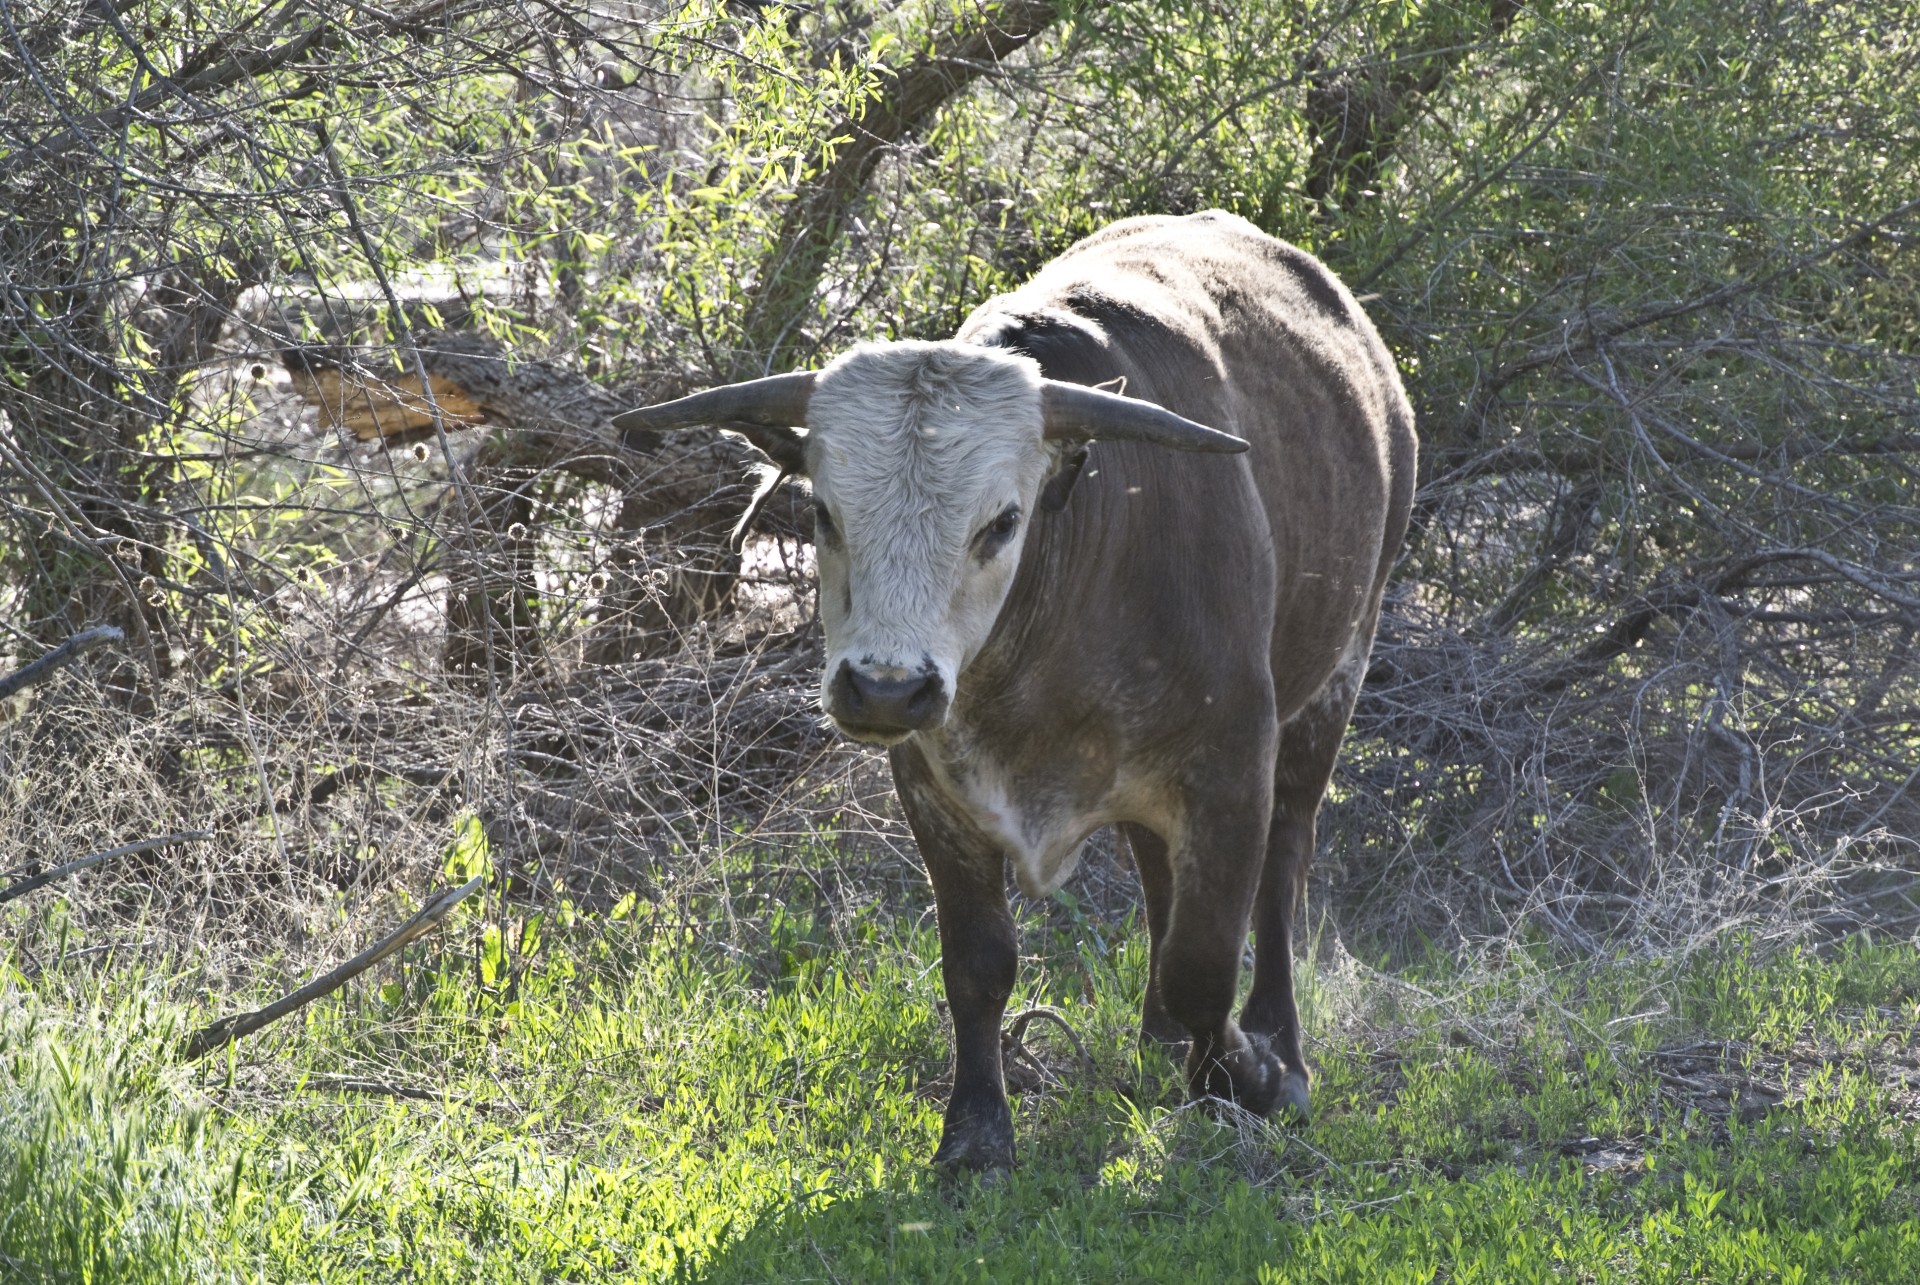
x,y
682,492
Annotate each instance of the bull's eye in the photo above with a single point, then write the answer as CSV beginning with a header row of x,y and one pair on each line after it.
x,y
823,527
1000,530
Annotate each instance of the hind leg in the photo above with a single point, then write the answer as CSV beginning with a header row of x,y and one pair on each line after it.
x,y
1216,870
1270,1011
1309,743
1149,850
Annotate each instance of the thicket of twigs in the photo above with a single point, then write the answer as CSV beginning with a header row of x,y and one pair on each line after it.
x,y
313,317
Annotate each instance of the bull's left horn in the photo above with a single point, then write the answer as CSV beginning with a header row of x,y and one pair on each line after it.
x,y
1078,413
764,411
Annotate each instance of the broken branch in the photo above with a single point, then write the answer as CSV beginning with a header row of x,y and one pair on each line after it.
x,y
228,1029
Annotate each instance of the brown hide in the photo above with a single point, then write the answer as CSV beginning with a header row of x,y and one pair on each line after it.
x,y
1183,637
1210,318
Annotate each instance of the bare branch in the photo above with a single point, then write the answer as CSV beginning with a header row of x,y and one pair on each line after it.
x,y
45,877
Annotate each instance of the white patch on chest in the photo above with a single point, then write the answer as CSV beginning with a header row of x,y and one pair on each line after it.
x,y
1043,849
1042,846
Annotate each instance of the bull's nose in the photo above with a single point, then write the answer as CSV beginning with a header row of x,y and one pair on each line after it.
x,y
866,703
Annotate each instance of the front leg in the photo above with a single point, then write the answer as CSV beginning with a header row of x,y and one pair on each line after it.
x,y
979,956
1157,1027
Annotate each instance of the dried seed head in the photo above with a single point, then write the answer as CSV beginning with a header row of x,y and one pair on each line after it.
x,y
517,532
420,452
258,372
597,582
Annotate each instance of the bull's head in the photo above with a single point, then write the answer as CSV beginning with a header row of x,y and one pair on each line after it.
x,y
927,461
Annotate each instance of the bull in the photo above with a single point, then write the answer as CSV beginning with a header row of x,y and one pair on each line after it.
x,y
1112,555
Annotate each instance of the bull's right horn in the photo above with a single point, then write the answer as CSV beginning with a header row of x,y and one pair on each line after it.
x,y
1077,413
764,411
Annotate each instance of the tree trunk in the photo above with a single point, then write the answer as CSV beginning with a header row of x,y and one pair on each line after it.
x,y
790,271
1358,116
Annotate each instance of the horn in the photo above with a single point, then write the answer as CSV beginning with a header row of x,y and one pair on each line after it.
x,y
778,401
764,411
1076,413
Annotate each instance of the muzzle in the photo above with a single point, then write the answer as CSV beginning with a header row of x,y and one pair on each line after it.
x,y
885,703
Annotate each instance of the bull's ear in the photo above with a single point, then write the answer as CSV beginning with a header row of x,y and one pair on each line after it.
x,y
785,447
766,412
1053,495
1073,412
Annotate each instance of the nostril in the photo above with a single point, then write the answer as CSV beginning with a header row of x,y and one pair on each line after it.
x,y
869,690
846,691
924,698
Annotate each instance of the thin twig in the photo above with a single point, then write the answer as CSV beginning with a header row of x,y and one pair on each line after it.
x,y
228,1029
60,657
381,1088
40,880
1017,1032
34,969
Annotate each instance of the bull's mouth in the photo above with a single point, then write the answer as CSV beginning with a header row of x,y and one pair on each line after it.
x,y
870,735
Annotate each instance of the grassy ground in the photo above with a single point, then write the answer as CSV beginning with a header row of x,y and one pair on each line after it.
x,y
630,1099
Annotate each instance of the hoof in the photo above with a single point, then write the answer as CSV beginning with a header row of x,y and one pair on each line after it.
x,y
1171,1041
975,1147
1249,1075
1158,1029
1292,1102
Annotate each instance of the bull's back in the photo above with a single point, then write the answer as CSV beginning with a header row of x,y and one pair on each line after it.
x,y
1215,320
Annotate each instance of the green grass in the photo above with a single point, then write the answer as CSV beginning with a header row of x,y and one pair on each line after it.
x,y
631,1100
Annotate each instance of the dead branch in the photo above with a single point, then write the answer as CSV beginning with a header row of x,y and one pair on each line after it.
x,y
45,877
371,405
473,380
682,491
59,658
228,1029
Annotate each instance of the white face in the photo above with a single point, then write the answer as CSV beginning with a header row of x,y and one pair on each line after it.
x,y
927,461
